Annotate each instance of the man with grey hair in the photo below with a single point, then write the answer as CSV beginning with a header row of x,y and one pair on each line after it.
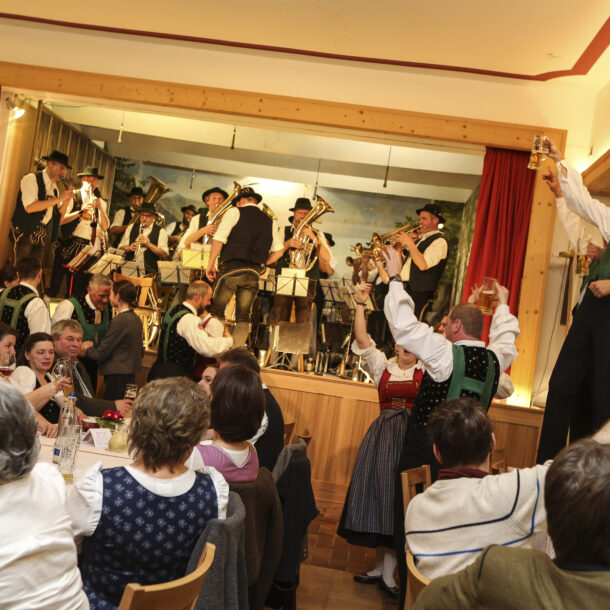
x,y
184,335
67,341
93,312
38,554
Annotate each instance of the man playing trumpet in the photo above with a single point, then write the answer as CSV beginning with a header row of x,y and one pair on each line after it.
x,y
426,259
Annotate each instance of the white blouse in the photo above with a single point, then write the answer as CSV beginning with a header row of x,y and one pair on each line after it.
x,y
376,363
85,501
38,555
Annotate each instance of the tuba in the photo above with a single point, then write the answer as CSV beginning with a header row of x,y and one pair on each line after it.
x,y
301,258
222,209
156,190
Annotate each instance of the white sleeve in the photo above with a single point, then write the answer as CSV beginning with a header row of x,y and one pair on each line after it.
x,y
24,379
213,326
169,229
117,221
63,311
332,261
375,359
193,226
229,220
580,201
574,227
29,190
261,430
85,502
162,241
125,240
37,315
278,237
503,333
435,252
189,328
416,337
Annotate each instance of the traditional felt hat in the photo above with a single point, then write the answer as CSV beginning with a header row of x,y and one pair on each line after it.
x,y
91,170
247,192
136,191
329,239
302,203
189,207
214,190
433,209
147,208
59,157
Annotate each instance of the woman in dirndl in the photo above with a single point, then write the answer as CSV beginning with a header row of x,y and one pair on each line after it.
x,y
368,512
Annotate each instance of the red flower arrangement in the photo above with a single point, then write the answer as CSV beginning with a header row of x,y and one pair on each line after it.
x,y
112,415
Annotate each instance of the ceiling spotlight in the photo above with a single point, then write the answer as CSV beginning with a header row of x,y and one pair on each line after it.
x,y
15,105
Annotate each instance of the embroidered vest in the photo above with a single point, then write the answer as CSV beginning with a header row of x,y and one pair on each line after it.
x,y
143,537
398,394
173,347
86,316
30,223
476,372
67,229
150,259
423,281
13,302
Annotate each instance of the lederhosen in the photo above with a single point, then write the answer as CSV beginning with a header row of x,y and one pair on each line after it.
x,y
91,331
422,284
13,303
176,358
150,259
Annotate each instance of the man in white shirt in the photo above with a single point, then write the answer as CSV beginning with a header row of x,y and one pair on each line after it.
x,y
184,337
123,217
243,243
39,205
427,257
145,242
585,355
21,306
84,224
175,230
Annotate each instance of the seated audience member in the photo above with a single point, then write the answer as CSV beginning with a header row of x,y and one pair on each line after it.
x,y
209,372
67,340
269,438
119,355
140,523
33,379
467,509
577,498
38,555
21,306
8,336
8,277
238,405
182,336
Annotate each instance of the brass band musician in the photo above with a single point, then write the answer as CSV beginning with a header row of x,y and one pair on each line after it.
x,y
175,230
122,218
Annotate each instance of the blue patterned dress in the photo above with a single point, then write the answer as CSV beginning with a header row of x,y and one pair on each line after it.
x,y
142,537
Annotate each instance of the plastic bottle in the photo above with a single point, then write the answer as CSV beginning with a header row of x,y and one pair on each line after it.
x,y
67,417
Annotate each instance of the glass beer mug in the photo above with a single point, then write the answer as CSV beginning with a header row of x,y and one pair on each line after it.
x,y
538,154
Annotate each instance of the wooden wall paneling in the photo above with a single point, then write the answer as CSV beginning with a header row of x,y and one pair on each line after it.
x,y
597,176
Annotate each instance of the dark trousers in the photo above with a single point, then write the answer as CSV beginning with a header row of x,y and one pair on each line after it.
x,y
582,363
241,283
116,384
282,306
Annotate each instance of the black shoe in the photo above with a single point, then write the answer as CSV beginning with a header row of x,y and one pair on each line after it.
x,y
365,579
393,592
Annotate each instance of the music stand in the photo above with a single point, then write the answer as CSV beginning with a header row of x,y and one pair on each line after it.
x,y
292,283
171,272
107,264
289,338
195,258
130,269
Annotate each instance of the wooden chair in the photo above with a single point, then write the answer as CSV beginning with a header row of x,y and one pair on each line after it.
x,y
147,297
498,462
288,428
410,480
306,436
180,594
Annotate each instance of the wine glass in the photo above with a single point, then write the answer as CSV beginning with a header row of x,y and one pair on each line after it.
x,y
63,371
6,369
131,391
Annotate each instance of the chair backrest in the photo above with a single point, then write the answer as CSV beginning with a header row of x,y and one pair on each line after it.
x,y
306,436
145,284
180,594
498,461
410,479
288,428
415,582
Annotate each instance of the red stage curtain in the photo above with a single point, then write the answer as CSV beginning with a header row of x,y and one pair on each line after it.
x,y
502,222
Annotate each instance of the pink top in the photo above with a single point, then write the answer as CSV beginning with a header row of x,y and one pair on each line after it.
x,y
218,458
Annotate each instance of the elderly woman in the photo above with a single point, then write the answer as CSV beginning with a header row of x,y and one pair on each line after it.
x,y
139,523
37,554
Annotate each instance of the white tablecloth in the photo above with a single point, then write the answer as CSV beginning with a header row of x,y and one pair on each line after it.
x,y
86,457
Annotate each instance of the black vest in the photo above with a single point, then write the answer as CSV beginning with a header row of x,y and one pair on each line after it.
x,y
284,261
172,347
424,281
29,223
13,314
67,229
177,228
249,242
432,393
150,259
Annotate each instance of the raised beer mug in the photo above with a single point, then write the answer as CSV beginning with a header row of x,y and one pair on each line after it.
x,y
537,156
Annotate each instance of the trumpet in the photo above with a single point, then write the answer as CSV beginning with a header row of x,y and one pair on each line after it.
x,y
381,241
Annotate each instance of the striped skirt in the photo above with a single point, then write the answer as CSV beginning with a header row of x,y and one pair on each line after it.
x,y
369,506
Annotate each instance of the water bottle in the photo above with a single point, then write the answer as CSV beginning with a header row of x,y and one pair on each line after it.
x,y
67,417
